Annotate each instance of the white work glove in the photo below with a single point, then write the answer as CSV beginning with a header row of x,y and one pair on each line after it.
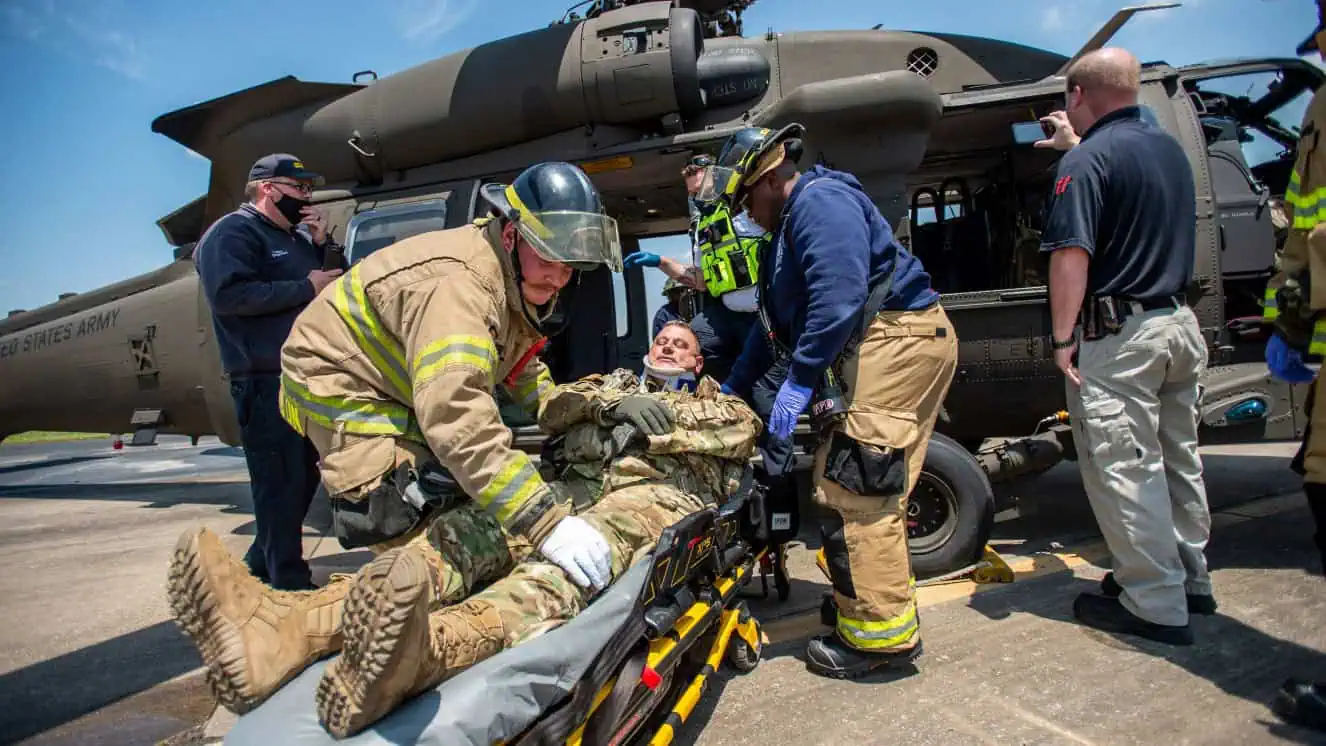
x,y
580,550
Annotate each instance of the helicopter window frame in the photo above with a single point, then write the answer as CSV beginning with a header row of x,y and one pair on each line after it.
x,y
387,213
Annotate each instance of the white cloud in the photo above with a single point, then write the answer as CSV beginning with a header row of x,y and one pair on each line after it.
x,y
189,152
429,20
1052,19
81,30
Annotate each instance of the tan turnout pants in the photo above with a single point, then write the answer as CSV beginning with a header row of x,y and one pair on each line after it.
x,y
867,467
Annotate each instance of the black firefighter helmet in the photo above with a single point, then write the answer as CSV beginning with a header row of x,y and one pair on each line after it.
x,y
1313,43
748,154
558,211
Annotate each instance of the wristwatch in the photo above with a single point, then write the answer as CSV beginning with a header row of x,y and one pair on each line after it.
x,y
1065,344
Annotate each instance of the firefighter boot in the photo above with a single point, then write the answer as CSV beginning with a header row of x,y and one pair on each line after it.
x,y
1316,494
394,647
1302,703
827,655
252,638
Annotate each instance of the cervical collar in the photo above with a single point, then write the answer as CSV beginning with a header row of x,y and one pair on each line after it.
x,y
666,378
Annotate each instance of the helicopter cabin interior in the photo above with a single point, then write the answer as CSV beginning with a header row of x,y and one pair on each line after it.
x,y
977,201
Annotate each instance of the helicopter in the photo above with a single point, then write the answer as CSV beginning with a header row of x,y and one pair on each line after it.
x,y
938,127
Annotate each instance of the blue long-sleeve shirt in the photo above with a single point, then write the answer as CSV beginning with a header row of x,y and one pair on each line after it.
x,y
830,248
255,277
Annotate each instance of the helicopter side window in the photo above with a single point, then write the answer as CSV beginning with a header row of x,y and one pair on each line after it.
x,y
373,229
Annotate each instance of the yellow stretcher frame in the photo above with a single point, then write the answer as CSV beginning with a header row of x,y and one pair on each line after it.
x,y
690,627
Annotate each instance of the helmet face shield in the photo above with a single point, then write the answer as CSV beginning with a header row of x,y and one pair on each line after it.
x,y
718,182
582,240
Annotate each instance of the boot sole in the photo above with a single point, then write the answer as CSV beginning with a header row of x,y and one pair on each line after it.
x,y
217,639
377,609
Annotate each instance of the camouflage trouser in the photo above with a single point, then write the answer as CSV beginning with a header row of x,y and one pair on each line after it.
x,y
537,596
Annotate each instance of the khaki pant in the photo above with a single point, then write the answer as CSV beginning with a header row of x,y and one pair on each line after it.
x,y
1314,443
1135,425
867,467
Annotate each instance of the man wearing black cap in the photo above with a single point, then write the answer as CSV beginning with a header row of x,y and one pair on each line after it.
x,y
259,266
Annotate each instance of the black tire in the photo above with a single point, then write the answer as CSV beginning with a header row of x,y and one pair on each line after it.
x,y
741,656
952,506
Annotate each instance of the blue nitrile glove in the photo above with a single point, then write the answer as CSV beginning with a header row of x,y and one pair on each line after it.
x,y
642,259
1286,363
791,402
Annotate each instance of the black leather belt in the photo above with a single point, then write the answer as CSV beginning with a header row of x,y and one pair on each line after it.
x,y
1103,316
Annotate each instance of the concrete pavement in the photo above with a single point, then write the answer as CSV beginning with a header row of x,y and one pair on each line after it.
x,y
89,654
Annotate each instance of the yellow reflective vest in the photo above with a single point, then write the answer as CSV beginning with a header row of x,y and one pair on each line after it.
x,y
729,262
1305,201
412,343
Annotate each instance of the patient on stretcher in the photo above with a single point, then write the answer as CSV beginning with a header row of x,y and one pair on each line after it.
x,y
463,591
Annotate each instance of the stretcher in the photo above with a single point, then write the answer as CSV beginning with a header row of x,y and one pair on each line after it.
x,y
629,669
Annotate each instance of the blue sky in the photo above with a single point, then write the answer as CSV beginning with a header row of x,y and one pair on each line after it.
x,y
85,179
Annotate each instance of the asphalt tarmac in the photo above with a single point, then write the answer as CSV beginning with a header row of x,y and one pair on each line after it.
x,y
89,653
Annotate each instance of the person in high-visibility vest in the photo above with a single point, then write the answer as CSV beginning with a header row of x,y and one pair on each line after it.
x,y
725,248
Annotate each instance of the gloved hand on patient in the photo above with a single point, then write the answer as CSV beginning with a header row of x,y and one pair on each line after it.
x,y
651,416
581,551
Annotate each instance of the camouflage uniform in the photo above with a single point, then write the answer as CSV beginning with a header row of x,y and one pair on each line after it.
x,y
404,633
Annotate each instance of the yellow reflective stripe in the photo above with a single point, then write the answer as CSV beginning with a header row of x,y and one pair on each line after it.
x,y
888,633
1305,219
385,352
289,410
336,413
526,216
505,493
1269,310
456,349
1318,344
531,392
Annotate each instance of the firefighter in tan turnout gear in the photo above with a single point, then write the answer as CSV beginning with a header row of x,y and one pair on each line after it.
x,y
391,373
1295,301
870,354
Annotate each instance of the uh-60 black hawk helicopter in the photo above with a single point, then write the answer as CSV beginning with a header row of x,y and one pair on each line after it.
x,y
935,125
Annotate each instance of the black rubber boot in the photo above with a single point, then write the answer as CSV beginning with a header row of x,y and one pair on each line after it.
x,y
1302,703
828,611
1108,615
827,655
1197,604
1316,494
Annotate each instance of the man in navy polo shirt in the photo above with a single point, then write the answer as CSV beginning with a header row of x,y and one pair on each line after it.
x,y
1121,234
259,266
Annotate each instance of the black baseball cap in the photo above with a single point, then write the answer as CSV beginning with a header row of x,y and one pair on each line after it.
x,y
282,165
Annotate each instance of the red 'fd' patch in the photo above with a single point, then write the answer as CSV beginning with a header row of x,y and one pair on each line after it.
x,y
1061,185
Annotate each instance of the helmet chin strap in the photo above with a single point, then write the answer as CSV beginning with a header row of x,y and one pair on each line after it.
x,y
665,377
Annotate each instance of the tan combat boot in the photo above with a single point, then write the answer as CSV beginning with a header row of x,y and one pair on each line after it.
x,y
252,638
393,647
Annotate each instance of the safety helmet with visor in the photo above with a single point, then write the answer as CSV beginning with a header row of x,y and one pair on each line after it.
x,y
557,210
1314,41
748,154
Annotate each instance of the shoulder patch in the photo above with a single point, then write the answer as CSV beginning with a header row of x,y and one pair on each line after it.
x,y
1061,185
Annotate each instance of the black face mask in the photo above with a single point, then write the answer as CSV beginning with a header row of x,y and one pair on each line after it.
x,y
291,208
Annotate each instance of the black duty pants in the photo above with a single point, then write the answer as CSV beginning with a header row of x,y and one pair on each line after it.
x,y
283,474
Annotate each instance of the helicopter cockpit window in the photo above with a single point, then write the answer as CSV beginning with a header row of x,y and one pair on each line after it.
x,y
1253,110
373,229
